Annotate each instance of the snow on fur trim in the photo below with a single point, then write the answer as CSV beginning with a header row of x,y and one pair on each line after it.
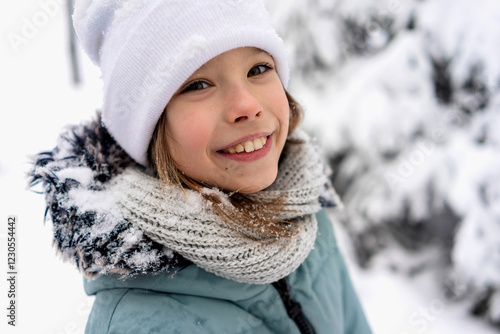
x,y
90,233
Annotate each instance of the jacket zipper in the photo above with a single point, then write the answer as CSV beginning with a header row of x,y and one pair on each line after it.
x,y
293,308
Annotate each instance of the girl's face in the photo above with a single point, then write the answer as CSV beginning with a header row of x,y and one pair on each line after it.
x,y
228,123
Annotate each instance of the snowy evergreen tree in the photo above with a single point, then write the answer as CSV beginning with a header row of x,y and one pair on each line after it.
x,y
404,96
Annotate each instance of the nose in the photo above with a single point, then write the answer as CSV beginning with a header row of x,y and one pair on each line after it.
x,y
242,104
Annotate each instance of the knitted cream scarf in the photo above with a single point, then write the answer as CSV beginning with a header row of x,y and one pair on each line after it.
x,y
187,224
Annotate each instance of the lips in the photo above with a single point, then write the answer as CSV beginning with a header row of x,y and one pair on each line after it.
x,y
247,146
248,149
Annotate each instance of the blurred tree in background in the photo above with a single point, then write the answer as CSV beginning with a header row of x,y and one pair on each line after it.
x,y
404,97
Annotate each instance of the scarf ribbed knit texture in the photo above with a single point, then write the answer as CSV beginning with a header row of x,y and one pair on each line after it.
x,y
187,223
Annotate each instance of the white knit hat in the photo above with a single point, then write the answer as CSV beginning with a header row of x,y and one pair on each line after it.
x,y
147,49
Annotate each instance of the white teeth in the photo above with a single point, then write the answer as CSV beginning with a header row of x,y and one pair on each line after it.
x,y
239,148
257,143
248,146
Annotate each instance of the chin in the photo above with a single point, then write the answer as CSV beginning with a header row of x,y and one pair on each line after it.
x,y
250,190
253,187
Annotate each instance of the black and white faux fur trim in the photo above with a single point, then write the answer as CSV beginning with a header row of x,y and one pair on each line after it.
x,y
97,241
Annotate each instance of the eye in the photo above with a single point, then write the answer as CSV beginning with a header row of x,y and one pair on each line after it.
x,y
194,86
259,69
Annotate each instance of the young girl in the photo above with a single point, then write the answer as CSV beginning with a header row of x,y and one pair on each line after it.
x,y
194,205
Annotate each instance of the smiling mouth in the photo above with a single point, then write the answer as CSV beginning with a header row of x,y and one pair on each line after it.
x,y
247,146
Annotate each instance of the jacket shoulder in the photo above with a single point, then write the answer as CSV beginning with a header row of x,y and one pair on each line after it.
x,y
192,301
138,311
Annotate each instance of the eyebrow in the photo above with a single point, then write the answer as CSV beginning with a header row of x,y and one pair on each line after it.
x,y
255,51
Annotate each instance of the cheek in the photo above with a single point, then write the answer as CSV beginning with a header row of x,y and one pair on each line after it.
x,y
189,137
276,96
195,136
283,110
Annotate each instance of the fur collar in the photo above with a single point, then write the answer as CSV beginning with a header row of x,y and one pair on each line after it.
x,y
86,233
87,157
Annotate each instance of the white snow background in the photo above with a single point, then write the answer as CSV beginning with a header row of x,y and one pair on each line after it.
x,y
37,99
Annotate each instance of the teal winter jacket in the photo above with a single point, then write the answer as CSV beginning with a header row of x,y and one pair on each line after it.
x,y
196,301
